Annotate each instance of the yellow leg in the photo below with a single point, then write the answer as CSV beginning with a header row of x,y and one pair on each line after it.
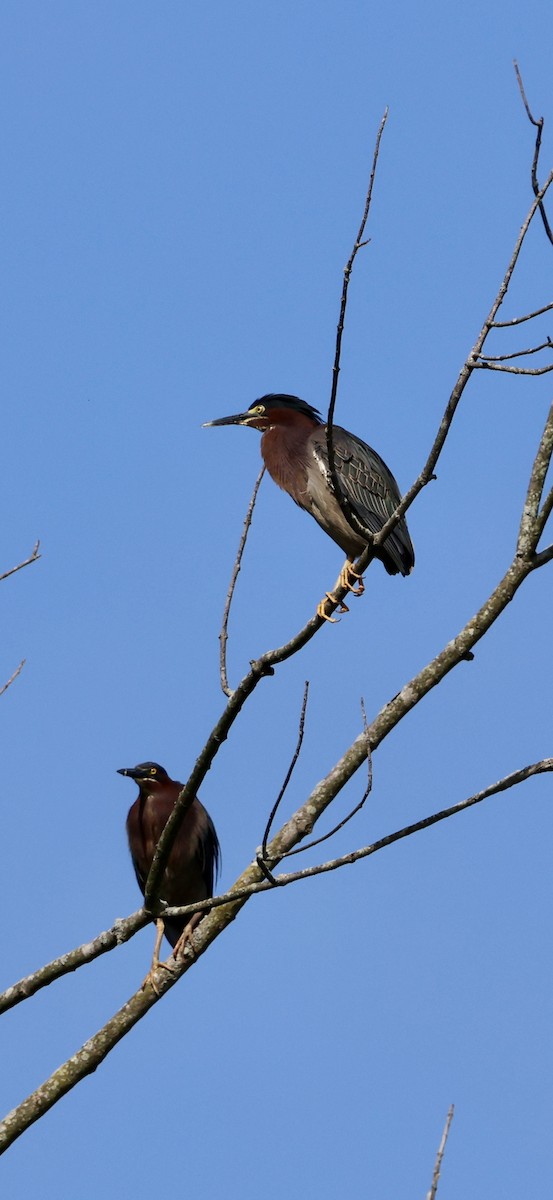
x,y
347,574
160,927
333,600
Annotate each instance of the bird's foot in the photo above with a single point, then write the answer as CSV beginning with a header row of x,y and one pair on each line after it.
x,y
151,976
186,938
349,578
329,596
156,963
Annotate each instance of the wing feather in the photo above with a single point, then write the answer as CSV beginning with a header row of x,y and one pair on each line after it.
x,y
371,489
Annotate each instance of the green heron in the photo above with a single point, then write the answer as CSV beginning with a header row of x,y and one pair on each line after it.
x,y
194,859
295,453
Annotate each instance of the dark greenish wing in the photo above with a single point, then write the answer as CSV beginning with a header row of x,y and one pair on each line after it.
x,y
371,490
210,853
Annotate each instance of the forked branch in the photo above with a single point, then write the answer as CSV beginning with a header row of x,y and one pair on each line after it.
x,y
223,911
223,636
538,124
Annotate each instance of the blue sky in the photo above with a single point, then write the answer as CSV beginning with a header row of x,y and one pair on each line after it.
x,y
182,184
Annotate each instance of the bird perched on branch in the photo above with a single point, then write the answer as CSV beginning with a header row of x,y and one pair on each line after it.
x,y
294,450
195,855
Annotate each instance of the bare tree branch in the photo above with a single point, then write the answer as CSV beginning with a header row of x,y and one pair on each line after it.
x,y
264,666
17,672
546,509
431,1195
223,636
472,361
487,364
222,912
544,556
325,836
26,562
120,932
532,521
6,574
539,123
301,727
519,320
125,928
303,821
349,513
548,345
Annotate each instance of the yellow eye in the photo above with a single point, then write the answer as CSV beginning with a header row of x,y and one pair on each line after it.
x,y
153,770
257,410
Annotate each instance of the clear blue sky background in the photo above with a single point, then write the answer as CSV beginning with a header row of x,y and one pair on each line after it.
x,y
181,187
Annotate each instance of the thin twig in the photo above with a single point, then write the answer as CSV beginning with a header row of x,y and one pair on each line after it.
x,y
538,312
441,1148
223,910
351,516
96,1049
470,364
489,365
548,345
289,773
120,932
543,556
544,766
538,124
17,672
241,891
264,666
325,837
223,636
31,559
427,473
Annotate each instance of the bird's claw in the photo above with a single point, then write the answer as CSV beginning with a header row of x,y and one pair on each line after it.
x,y
186,938
322,606
349,574
151,976
329,596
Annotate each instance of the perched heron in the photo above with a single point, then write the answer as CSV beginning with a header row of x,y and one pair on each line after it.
x,y
294,450
195,856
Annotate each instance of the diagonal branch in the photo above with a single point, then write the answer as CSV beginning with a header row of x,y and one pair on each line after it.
x,y
342,499
26,562
544,556
120,932
431,1195
353,813
488,364
538,124
223,911
519,320
301,728
548,345
532,520
125,928
471,363
262,667
223,636
9,681
546,509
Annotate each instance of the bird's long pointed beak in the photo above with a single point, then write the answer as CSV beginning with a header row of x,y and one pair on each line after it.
x,y
128,771
236,419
